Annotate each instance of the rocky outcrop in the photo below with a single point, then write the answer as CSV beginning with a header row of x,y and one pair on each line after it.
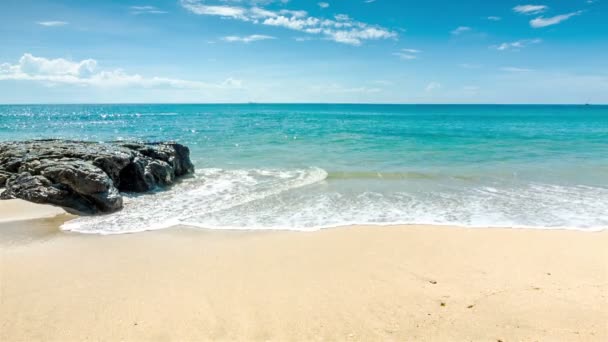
x,y
87,177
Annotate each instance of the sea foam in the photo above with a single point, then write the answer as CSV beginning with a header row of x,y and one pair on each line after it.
x,y
208,191
307,200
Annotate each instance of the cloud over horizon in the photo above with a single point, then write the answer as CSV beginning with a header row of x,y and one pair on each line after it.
x,y
86,73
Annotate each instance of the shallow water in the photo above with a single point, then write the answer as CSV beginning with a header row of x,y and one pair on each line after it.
x,y
306,167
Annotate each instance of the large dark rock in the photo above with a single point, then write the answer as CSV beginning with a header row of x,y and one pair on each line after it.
x,y
4,176
86,177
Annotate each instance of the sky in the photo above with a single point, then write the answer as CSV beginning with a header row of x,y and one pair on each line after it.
x,y
301,51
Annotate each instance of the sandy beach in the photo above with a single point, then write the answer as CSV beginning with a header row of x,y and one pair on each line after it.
x,y
19,210
354,283
276,170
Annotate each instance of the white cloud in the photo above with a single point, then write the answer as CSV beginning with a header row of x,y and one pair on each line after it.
x,y
297,14
258,13
323,4
355,36
197,7
247,39
460,30
494,18
432,86
292,23
52,23
543,22
530,9
517,45
145,10
342,17
85,73
41,66
341,29
407,54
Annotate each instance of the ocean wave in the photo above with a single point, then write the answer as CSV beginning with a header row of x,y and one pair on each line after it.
x,y
380,175
310,199
209,191
412,175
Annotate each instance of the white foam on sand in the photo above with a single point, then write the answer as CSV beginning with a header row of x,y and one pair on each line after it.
x,y
304,200
209,191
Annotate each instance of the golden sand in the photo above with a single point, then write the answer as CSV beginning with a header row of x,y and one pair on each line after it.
x,y
355,283
18,210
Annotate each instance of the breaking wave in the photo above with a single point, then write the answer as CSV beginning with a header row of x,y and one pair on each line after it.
x,y
310,199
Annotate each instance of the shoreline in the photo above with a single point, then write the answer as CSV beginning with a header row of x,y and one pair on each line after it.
x,y
350,283
16,210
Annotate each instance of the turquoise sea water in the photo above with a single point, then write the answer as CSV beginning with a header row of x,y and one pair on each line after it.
x,y
306,167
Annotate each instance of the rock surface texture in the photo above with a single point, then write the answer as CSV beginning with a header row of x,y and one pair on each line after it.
x,y
87,177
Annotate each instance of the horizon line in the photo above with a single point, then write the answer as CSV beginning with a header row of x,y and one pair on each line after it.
x,y
300,103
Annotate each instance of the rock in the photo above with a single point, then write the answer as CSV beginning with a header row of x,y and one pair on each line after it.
x,y
4,176
39,189
139,175
176,155
86,177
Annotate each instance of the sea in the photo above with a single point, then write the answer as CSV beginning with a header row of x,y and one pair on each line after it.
x,y
306,167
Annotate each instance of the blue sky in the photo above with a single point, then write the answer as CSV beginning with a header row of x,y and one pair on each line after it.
x,y
382,51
